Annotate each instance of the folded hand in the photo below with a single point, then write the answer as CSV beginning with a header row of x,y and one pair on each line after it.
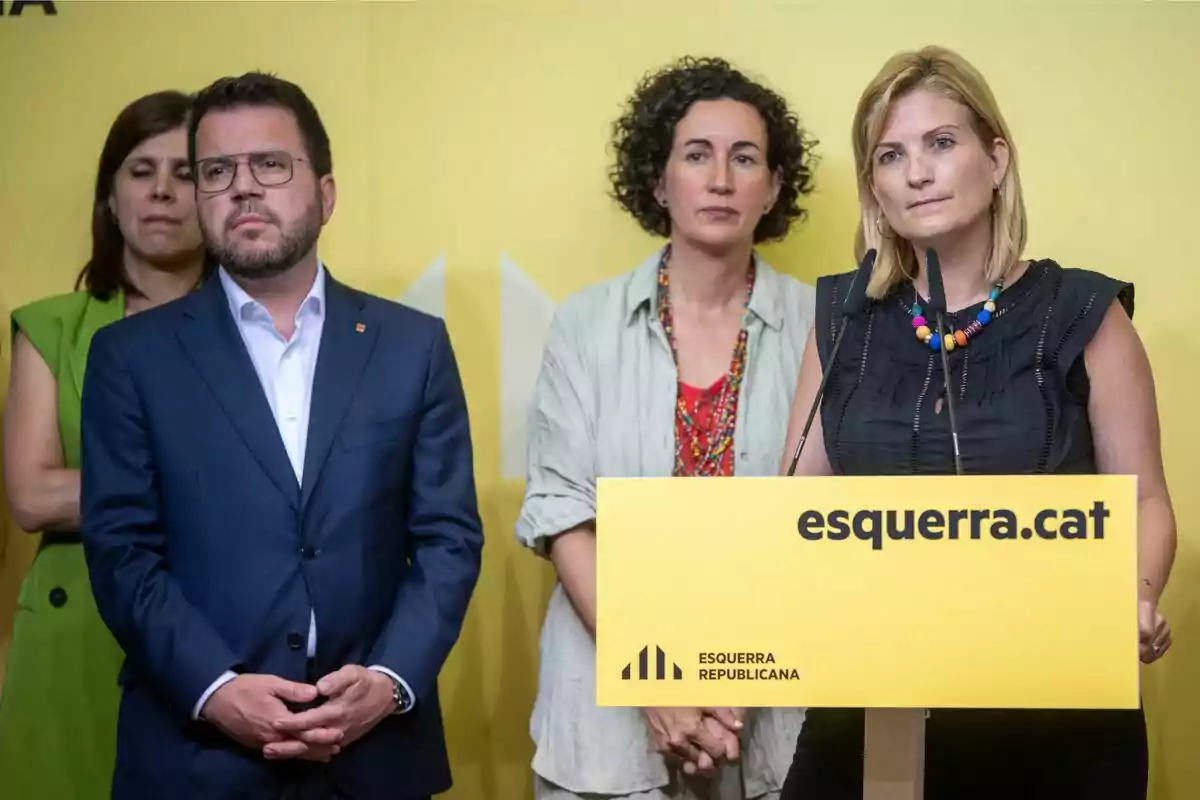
x,y
699,739
356,700
247,708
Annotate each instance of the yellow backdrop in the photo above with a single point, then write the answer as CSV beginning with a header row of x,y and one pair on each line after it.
x,y
470,150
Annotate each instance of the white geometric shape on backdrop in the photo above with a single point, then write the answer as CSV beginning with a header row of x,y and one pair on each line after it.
x,y
525,316
428,292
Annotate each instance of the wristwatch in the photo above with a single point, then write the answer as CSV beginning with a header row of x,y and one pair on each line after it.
x,y
400,696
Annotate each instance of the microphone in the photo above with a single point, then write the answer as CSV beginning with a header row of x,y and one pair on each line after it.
x,y
854,305
937,304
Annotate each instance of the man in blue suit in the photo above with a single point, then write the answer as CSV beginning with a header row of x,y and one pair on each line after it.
x,y
279,512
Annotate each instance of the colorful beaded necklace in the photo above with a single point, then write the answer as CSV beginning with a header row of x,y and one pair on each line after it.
x,y
706,461
958,338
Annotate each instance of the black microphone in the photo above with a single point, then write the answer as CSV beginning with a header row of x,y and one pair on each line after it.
x,y
937,304
854,305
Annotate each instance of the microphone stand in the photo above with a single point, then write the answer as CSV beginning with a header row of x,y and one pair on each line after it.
x,y
937,300
958,470
853,305
812,412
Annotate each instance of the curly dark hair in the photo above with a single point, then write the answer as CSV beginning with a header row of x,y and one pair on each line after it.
x,y
644,134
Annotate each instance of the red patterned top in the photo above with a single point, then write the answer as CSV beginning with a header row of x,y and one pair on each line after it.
x,y
705,419
701,405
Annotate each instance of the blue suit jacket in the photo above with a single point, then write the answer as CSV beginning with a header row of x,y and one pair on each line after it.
x,y
205,554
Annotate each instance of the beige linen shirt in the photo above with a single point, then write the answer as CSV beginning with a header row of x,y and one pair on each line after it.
x,y
604,405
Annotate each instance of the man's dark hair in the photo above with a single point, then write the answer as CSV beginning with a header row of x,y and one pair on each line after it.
x,y
263,89
644,134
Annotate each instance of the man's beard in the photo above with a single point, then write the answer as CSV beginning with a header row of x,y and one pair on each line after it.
x,y
294,244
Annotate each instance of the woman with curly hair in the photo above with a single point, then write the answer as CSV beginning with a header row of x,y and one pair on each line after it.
x,y
685,365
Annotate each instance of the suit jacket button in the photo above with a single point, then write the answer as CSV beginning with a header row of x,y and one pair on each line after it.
x,y
58,597
295,640
308,552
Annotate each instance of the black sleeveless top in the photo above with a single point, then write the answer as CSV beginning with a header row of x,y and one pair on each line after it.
x,y
1020,385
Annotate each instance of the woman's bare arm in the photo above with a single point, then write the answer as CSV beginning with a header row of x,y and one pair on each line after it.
x,y
813,461
43,494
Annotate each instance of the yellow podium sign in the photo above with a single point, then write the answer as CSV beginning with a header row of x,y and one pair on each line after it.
x,y
898,592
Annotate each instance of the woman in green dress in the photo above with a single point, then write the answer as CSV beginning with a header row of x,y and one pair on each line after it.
x,y
58,706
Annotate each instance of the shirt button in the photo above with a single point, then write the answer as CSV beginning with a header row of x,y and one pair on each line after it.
x,y
308,552
295,640
58,597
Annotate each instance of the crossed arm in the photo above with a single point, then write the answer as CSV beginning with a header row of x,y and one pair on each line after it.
x,y
42,492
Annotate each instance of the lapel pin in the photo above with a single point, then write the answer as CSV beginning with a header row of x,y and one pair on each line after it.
x,y
360,327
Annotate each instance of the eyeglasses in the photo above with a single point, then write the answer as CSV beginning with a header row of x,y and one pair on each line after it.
x,y
272,168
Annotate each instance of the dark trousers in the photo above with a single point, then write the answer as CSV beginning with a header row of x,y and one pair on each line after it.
x,y
985,754
317,793
319,788
306,794
312,793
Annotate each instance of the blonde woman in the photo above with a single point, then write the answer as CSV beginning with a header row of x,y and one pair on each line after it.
x,y
1049,375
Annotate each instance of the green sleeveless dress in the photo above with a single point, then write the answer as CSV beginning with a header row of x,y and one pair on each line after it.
x,y
58,707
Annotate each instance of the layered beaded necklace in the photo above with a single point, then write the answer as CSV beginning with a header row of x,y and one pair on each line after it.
x,y
956,338
707,445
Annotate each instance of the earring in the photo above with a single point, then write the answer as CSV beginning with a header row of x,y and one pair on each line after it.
x,y
663,202
881,229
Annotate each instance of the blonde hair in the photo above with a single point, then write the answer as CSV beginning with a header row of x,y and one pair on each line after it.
x,y
949,74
